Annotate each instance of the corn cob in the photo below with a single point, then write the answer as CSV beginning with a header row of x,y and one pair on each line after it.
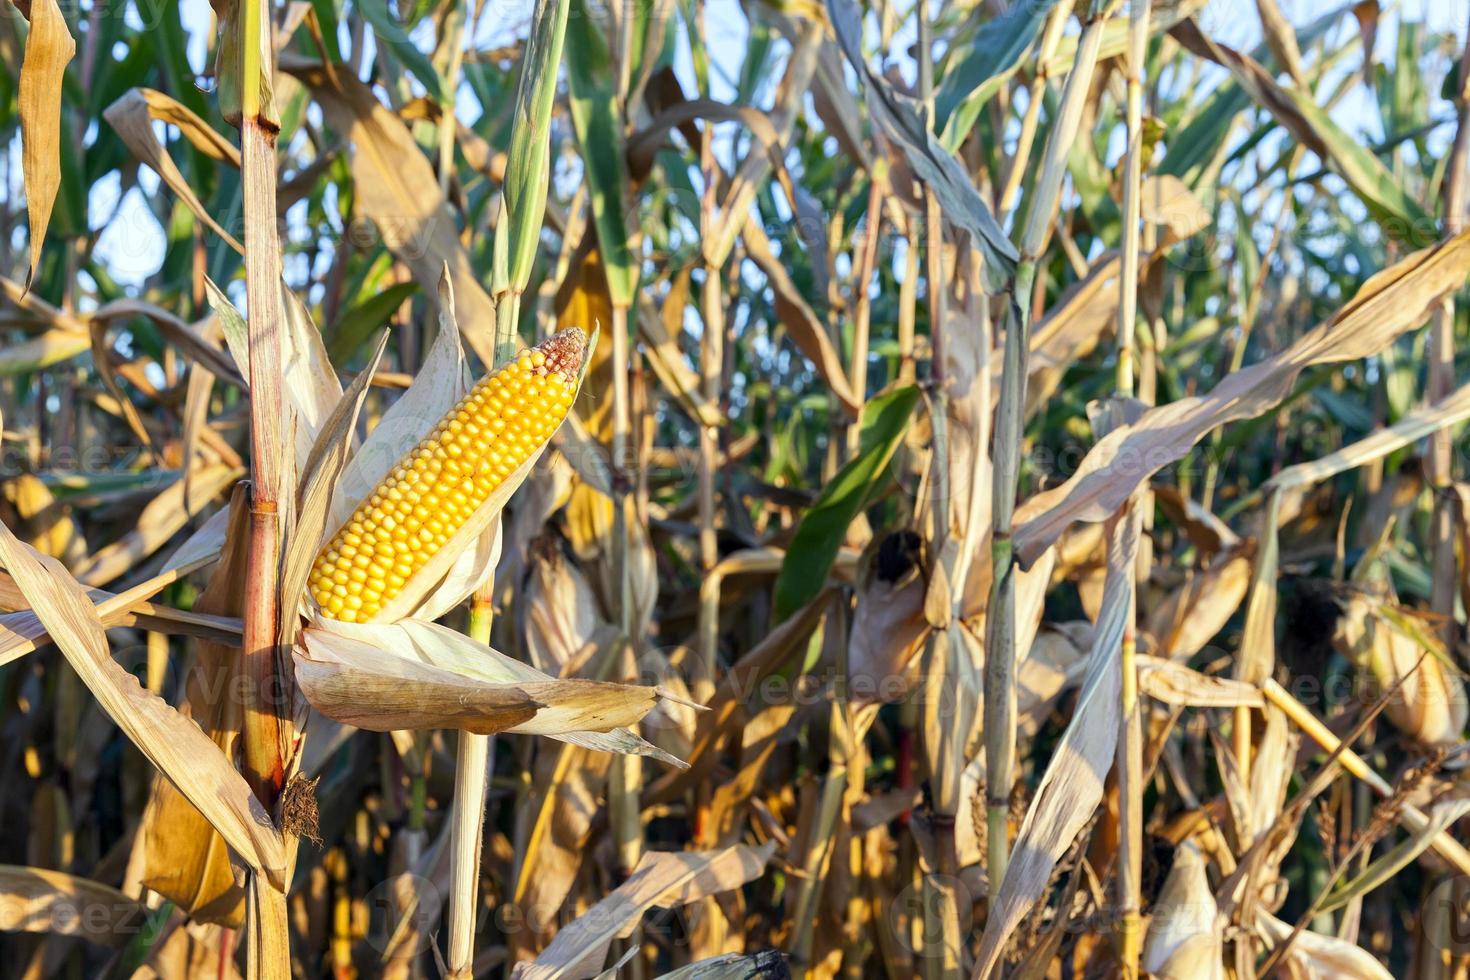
x,y
434,489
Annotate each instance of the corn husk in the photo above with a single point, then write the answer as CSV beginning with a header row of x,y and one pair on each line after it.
x,y
413,674
1185,934
1431,705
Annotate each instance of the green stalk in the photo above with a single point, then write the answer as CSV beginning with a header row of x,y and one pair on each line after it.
x,y
1129,757
1000,663
471,761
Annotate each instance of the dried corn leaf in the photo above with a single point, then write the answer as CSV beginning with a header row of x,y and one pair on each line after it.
x,y
132,117
1073,783
1393,301
185,859
662,878
902,123
49,48
806,329
45,901
171,742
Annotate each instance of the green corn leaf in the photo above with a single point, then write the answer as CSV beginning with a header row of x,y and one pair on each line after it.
x,y
355,326
527,169
594,104
980,66
814,547
396,39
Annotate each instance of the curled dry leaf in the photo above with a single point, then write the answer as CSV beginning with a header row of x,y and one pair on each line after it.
x,y
1173,683
1194,614
888,627
132,117
806,329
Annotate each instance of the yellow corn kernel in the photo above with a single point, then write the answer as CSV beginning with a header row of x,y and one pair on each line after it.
x,y
439,484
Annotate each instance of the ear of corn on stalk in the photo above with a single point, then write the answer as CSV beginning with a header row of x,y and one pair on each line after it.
x,y
435,487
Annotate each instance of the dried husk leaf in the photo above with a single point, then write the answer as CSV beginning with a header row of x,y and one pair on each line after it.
x,y
574,778
734,966
1431,705
589,526
468,560
1313,956
309,383
1185,937
414,674
953,683
189,949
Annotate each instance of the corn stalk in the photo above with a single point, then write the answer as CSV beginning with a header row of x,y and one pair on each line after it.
x,y
267,714
1130,739
1000,660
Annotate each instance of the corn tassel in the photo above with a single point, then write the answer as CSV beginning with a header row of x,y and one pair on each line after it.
x,y
435,488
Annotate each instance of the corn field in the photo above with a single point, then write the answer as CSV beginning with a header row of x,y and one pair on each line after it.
x,y
696,489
